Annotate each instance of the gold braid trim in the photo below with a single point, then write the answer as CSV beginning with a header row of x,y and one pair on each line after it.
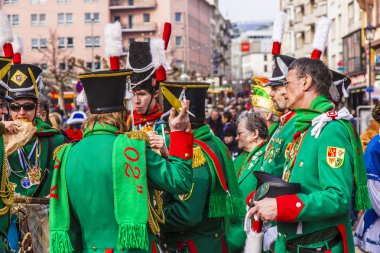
x,y
156,216
57,149
198,157
2,128
7,189
138,135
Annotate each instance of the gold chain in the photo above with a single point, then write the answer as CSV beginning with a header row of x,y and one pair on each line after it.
x,y
7,189
156,216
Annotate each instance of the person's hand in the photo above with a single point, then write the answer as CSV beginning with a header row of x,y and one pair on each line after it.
x,y
11,127
157,142
181,122
265,210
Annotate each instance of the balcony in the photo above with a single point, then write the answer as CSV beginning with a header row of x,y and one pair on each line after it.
x,y
132,4
139,27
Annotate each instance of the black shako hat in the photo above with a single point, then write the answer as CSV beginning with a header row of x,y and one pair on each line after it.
x,y
270,186
280,71
105,90
140,60
339,88
5,64
194,91
24,81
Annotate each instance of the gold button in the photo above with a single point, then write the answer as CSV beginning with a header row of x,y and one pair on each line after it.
x,y
186,155
94,248
216,235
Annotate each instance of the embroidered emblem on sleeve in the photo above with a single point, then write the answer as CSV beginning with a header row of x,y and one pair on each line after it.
x,y
335,156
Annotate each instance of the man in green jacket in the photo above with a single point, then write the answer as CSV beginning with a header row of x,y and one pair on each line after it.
x,y
105,186
275,151
324,157
31,166
194,222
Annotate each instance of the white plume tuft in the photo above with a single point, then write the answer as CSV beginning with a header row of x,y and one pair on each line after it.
x,y
321,34
82,98
6,34
113,39
157,49
279,26
17,44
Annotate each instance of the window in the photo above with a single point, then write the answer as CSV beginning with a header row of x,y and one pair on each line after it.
x,y
69,18
42,19
265,68
92,41
61,42
70,42
178,41
178,17
37,1
146,18
91,17
43,43
96,65
62,66
116,18
34,19
63,1
35,44
130,2
65,18
265,58
40,43
91,1
11,1
14,19
146,39
61,18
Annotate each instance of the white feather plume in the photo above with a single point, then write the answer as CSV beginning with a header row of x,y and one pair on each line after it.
x,y
6,35
17,44
279,26
82,98
113,39
157,49
321,34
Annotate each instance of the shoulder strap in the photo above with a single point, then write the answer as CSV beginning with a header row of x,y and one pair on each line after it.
x,y
216,162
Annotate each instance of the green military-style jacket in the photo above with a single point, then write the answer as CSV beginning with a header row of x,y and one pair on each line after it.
x,y
187,224
324,168
18,173
4,218
275,151
244,164
89,183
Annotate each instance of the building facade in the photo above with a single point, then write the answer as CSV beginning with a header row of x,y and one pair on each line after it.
x,y
79,26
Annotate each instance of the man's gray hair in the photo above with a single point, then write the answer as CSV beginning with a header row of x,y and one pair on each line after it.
x,y
319,72
273,118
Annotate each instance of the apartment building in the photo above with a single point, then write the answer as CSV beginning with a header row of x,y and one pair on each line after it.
x,y
79,26
77,31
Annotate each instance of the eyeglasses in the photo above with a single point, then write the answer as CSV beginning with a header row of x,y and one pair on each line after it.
x,y
287,82
26,107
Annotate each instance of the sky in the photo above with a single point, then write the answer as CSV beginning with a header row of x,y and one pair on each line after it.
x,y
249,10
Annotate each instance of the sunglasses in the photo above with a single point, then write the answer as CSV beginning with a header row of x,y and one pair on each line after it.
x,y
26,107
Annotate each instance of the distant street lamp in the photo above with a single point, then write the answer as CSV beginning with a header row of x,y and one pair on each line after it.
x,y
370,35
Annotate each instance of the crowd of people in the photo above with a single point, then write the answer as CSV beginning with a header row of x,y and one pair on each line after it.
x,y
282,170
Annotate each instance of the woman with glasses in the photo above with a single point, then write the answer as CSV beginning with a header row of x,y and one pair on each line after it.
x,y
252,136
31,164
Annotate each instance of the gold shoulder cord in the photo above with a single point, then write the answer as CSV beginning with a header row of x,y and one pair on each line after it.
x,y
138,135
156,216
6,190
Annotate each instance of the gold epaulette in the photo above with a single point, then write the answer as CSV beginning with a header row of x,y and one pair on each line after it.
x,y
138,135
57,149
198,157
